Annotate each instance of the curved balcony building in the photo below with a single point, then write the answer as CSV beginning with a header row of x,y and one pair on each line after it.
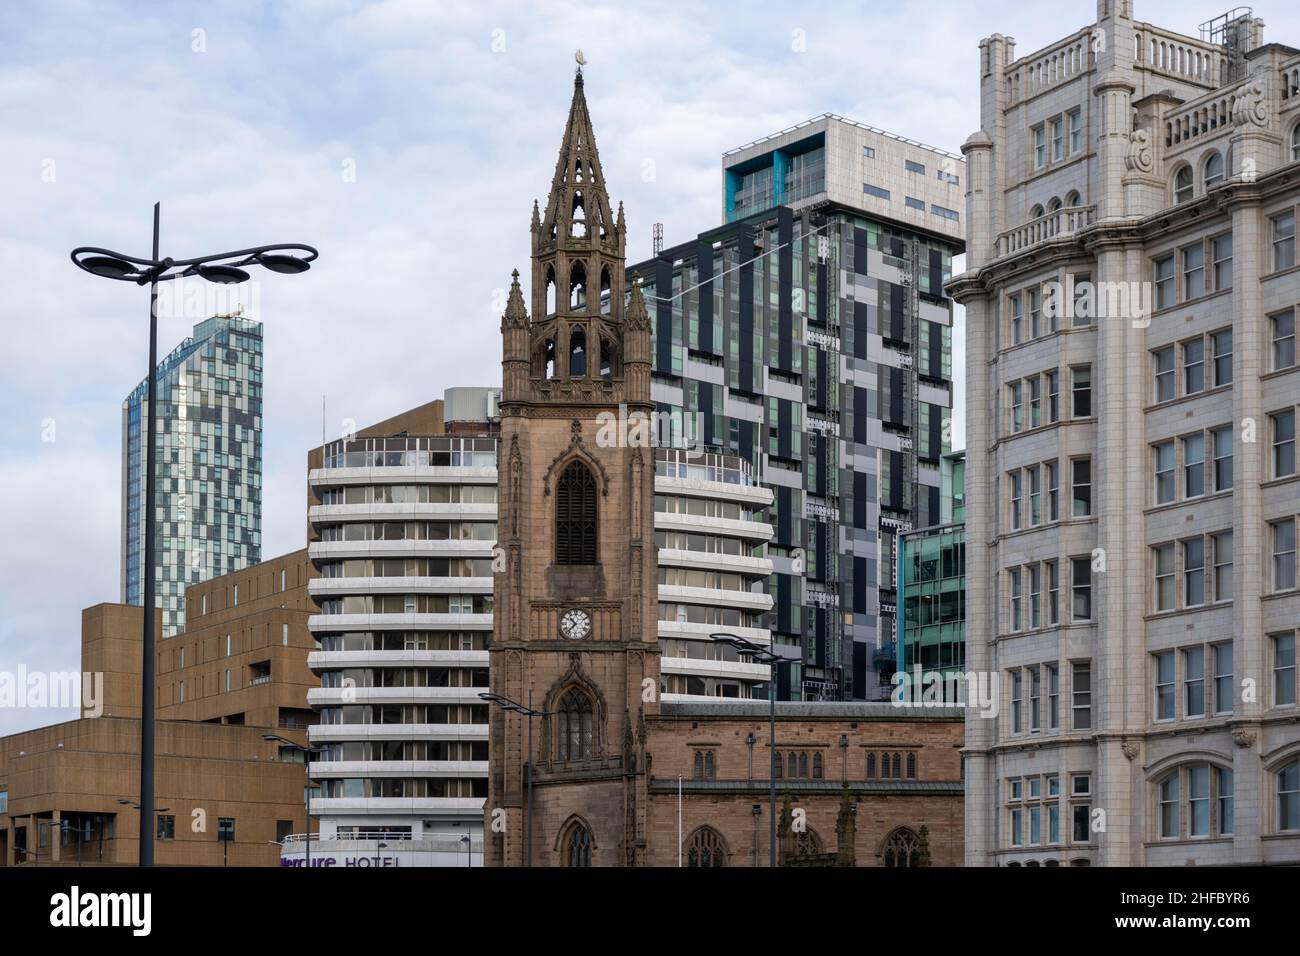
x,y
712,534
402,537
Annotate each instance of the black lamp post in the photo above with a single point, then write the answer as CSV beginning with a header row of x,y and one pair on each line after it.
x,y
224,267
508,705
764,656
306,763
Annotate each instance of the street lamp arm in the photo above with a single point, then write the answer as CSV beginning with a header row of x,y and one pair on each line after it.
x,y
110,264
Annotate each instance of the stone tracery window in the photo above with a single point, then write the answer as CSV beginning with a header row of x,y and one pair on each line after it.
x,y
705,848
576,846
574,738
902,848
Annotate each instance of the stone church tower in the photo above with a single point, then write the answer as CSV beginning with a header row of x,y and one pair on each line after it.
x,y
575,594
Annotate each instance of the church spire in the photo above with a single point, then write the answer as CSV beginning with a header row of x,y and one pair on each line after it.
x,y
578,213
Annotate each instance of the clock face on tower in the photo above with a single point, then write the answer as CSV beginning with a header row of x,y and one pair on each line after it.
x,y
575,624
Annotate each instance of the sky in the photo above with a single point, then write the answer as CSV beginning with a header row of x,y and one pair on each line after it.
x,y
406,140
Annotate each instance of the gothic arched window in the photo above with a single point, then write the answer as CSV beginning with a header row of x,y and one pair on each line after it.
x,y
897,770
577,845
575,723
577,352
705,848
817,766
902,848
575,516
911,766
803,766
871,765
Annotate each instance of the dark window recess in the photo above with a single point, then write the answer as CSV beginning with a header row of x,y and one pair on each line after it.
x,y
897,499
936,433
784,604
936,273
897,331
859,415
745,312
860,500
819,637
823,293
859,670
783,517
933,494
820,373
785,432
823,463
859,585
704,263
860,329
896,395
897,248
822,556
860,251
663,317
934,345
706,413
575,516
785,288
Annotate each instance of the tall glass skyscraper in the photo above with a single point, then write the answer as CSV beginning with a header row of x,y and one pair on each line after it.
x,y
208,464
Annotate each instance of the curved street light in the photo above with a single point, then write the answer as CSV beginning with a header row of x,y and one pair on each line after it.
x,y
763,655
513,706
222,267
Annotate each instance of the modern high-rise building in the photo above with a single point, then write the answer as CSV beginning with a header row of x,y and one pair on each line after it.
x,y
932,582
208,473
811,337
402,531
1130,292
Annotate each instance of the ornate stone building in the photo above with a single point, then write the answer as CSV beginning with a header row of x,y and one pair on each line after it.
x,y
576,612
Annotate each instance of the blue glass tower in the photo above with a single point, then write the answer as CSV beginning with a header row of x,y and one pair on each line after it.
x,y
209,455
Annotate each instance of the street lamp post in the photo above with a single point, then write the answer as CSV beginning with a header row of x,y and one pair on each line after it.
x,y
508,705
225,267
764,656
306,763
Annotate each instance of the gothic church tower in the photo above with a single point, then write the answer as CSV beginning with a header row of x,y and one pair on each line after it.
x,y
576,592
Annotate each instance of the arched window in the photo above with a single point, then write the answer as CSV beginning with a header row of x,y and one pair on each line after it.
x,y
803,766
871,765
576,845
578,286
578,216
575,516
911,766
574,731
1071,199
1054,205
548,359
550,290
577,352
1295,144
705,848
1183,188
808,842
1036,212
1213,170
1195,800
606,293
699,765
1288,796
902,848
606,359
817,766
898,767
792,766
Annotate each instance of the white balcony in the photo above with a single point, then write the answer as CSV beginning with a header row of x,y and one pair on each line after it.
x,y
701,632
402,475
338,696
401,511
333,660
335,550
711,561
731,670
1060,225
467,807
731,527
754,601
331,769
330,623
343,733
337,587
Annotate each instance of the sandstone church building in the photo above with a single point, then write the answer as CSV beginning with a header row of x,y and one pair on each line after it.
x,y
615,768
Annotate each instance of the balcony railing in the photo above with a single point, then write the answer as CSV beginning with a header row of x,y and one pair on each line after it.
x,y
1059,224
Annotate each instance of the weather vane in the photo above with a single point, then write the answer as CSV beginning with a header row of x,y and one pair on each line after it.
x,y
581,60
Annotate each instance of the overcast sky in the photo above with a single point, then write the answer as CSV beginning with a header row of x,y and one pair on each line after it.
x,y
406,140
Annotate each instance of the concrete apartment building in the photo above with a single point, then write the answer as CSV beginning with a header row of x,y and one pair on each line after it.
x,y
809,335
1131,569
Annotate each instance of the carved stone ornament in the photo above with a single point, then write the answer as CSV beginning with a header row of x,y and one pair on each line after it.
x,y
1243,737
1141,158
1248,106
1131,749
